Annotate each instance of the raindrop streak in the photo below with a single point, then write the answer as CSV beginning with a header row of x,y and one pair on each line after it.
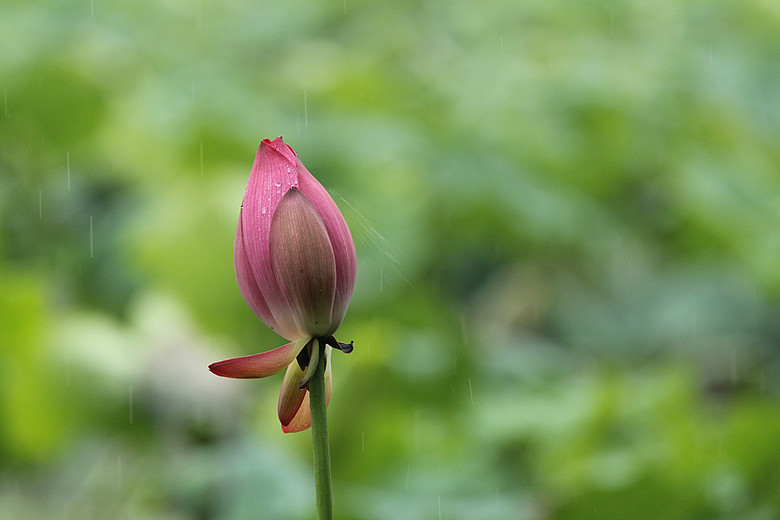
x,y
305,110
201,159
67,166
463,331
416,428
91,239
378,241
130,403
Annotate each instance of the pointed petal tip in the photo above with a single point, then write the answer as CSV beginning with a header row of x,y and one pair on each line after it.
x,y
295,429
231,368
279,146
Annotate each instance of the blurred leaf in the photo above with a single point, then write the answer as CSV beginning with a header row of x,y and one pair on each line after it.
x,y
33,421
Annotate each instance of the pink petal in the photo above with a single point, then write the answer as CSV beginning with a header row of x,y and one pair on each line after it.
x,y
259,365
341,240
274,172
302,260
277,169
249,290
302,419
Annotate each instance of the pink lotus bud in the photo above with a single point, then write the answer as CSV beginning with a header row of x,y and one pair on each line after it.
x,y
307,252
295,266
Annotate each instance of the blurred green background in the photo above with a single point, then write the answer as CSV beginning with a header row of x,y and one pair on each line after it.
x,y
567,218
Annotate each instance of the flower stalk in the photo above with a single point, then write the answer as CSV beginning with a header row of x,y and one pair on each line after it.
x,y
319,436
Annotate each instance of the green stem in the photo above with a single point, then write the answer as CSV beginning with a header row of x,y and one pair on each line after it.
x,y
319,437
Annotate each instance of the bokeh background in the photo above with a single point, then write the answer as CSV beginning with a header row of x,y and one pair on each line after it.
x,y
567,218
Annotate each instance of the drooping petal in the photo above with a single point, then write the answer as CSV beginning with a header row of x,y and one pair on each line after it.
x,y
291,396
259,365
303,262
274,172
340,238
302,418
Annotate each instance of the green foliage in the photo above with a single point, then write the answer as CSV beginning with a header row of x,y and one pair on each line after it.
x,y
566,216
33,421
